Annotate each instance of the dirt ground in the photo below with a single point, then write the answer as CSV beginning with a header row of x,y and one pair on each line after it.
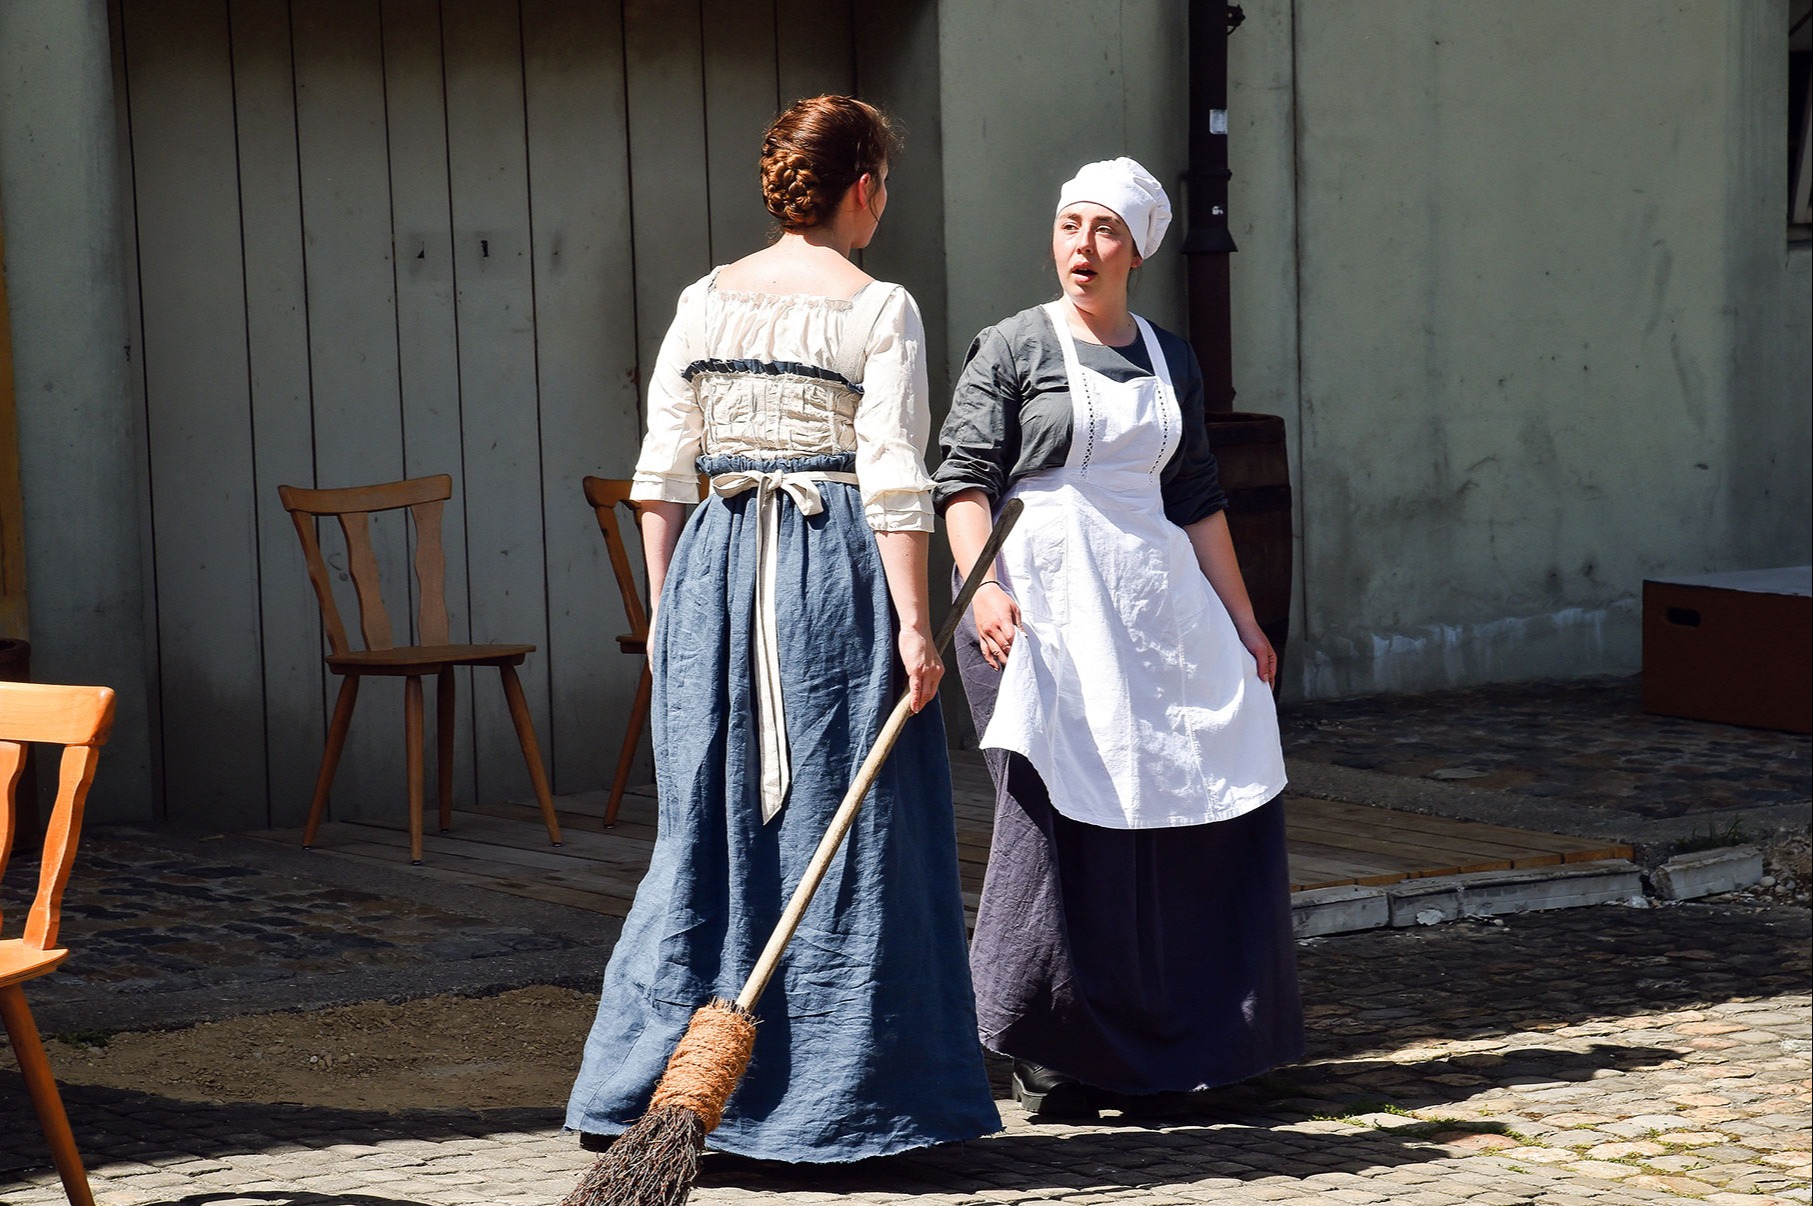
x,y
518,1049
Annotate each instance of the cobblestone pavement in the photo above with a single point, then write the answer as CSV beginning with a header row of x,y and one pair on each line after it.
x,y
1602,1056
1588,741
148,918
172,930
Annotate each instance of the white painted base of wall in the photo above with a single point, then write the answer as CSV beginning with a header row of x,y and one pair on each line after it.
x,y
1572,643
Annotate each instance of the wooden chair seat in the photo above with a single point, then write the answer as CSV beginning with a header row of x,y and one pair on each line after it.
x,y
78,719
19,963
434,654
629,642
425,659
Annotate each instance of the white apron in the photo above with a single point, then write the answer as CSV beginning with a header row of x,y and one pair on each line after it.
x,y
1127,688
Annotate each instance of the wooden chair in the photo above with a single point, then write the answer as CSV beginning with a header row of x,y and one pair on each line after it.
x,y
606,495
77,718
353,506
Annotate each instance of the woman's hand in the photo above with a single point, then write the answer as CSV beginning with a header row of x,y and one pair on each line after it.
x,y
1256,644
925,669
997,622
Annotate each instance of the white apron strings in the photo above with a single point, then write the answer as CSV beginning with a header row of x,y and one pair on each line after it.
x,y
770,710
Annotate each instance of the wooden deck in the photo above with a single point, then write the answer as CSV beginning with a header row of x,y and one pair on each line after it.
x,y
505,848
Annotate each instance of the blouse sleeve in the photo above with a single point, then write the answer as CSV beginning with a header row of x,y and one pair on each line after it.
x,y
1191,483
893,421
980,438
676,427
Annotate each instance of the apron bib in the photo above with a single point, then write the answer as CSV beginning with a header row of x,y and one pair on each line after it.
x,y
1127,689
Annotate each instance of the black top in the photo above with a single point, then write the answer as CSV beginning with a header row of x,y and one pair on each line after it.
x,y
1011,416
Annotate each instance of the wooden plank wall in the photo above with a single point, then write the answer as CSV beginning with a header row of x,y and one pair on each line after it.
x,y
387,238
13,611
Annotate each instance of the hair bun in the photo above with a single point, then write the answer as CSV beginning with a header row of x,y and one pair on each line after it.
x,y
815,152
792,190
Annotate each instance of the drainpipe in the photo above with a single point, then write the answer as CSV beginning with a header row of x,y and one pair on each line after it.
x,y
1249,448
1208,242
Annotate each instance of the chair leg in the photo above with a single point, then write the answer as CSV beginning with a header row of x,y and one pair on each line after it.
x,y
531,750
412,757
443,745
330,756
638,717
28,1050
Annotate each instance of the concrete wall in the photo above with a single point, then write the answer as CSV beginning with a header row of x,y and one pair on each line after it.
x,y
1515,275
1521,289
79,439
1030,91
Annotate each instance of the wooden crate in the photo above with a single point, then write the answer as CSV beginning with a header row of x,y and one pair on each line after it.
x,y
1735,648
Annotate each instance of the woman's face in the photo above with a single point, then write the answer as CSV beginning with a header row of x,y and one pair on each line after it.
x,y
1093,252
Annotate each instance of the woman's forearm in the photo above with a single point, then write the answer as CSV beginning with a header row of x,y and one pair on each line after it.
x,y
904,556
967,520
660,528
1215,554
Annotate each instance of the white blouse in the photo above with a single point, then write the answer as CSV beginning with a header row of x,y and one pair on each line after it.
x,y
780,376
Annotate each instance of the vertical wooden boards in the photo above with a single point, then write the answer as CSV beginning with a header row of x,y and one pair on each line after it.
x,y
345,174
487,165
378,240
740,91
12,504
585,349
427,321
135,369
813,49
282,451
192,289
668,184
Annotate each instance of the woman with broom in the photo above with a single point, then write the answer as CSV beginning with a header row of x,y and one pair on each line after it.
x,y
1134,935
792,610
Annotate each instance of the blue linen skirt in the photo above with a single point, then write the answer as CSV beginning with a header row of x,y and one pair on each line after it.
x,y
1135,960
866,1042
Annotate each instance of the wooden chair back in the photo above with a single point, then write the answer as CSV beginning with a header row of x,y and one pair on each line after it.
x,y
353,506
606,495
78,719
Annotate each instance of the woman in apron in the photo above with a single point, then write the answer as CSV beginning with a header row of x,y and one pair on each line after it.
x,y
792,613
1134,935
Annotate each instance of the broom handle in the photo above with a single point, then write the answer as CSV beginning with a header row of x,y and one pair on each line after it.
x,y
865,776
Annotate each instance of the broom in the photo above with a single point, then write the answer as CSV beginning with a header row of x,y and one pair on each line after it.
x,y
656,1160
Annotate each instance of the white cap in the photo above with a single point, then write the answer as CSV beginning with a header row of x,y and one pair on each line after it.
x,y
1128,189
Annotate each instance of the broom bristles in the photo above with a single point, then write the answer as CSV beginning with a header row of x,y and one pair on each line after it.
x,y
656,1161
653,1163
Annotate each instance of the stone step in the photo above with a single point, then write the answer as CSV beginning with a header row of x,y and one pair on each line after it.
x,y
1435,899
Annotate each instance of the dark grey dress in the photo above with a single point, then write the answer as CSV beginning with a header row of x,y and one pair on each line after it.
x,y
1136,960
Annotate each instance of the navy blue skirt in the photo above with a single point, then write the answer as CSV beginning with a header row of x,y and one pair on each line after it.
x,y
866,1042
1136,960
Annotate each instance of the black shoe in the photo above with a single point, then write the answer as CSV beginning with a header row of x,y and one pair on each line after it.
x,y
596,1143
1048,1094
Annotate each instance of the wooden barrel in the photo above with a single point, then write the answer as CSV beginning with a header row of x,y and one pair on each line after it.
x,y
1255,471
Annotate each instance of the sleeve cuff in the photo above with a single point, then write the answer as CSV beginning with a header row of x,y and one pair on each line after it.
x,y
665,487
900,511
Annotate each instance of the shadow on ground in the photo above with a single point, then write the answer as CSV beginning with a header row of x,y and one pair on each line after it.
x,y
1369,996
235,1198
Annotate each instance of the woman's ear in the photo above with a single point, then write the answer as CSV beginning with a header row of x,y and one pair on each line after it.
x,y
865,189
1138,259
